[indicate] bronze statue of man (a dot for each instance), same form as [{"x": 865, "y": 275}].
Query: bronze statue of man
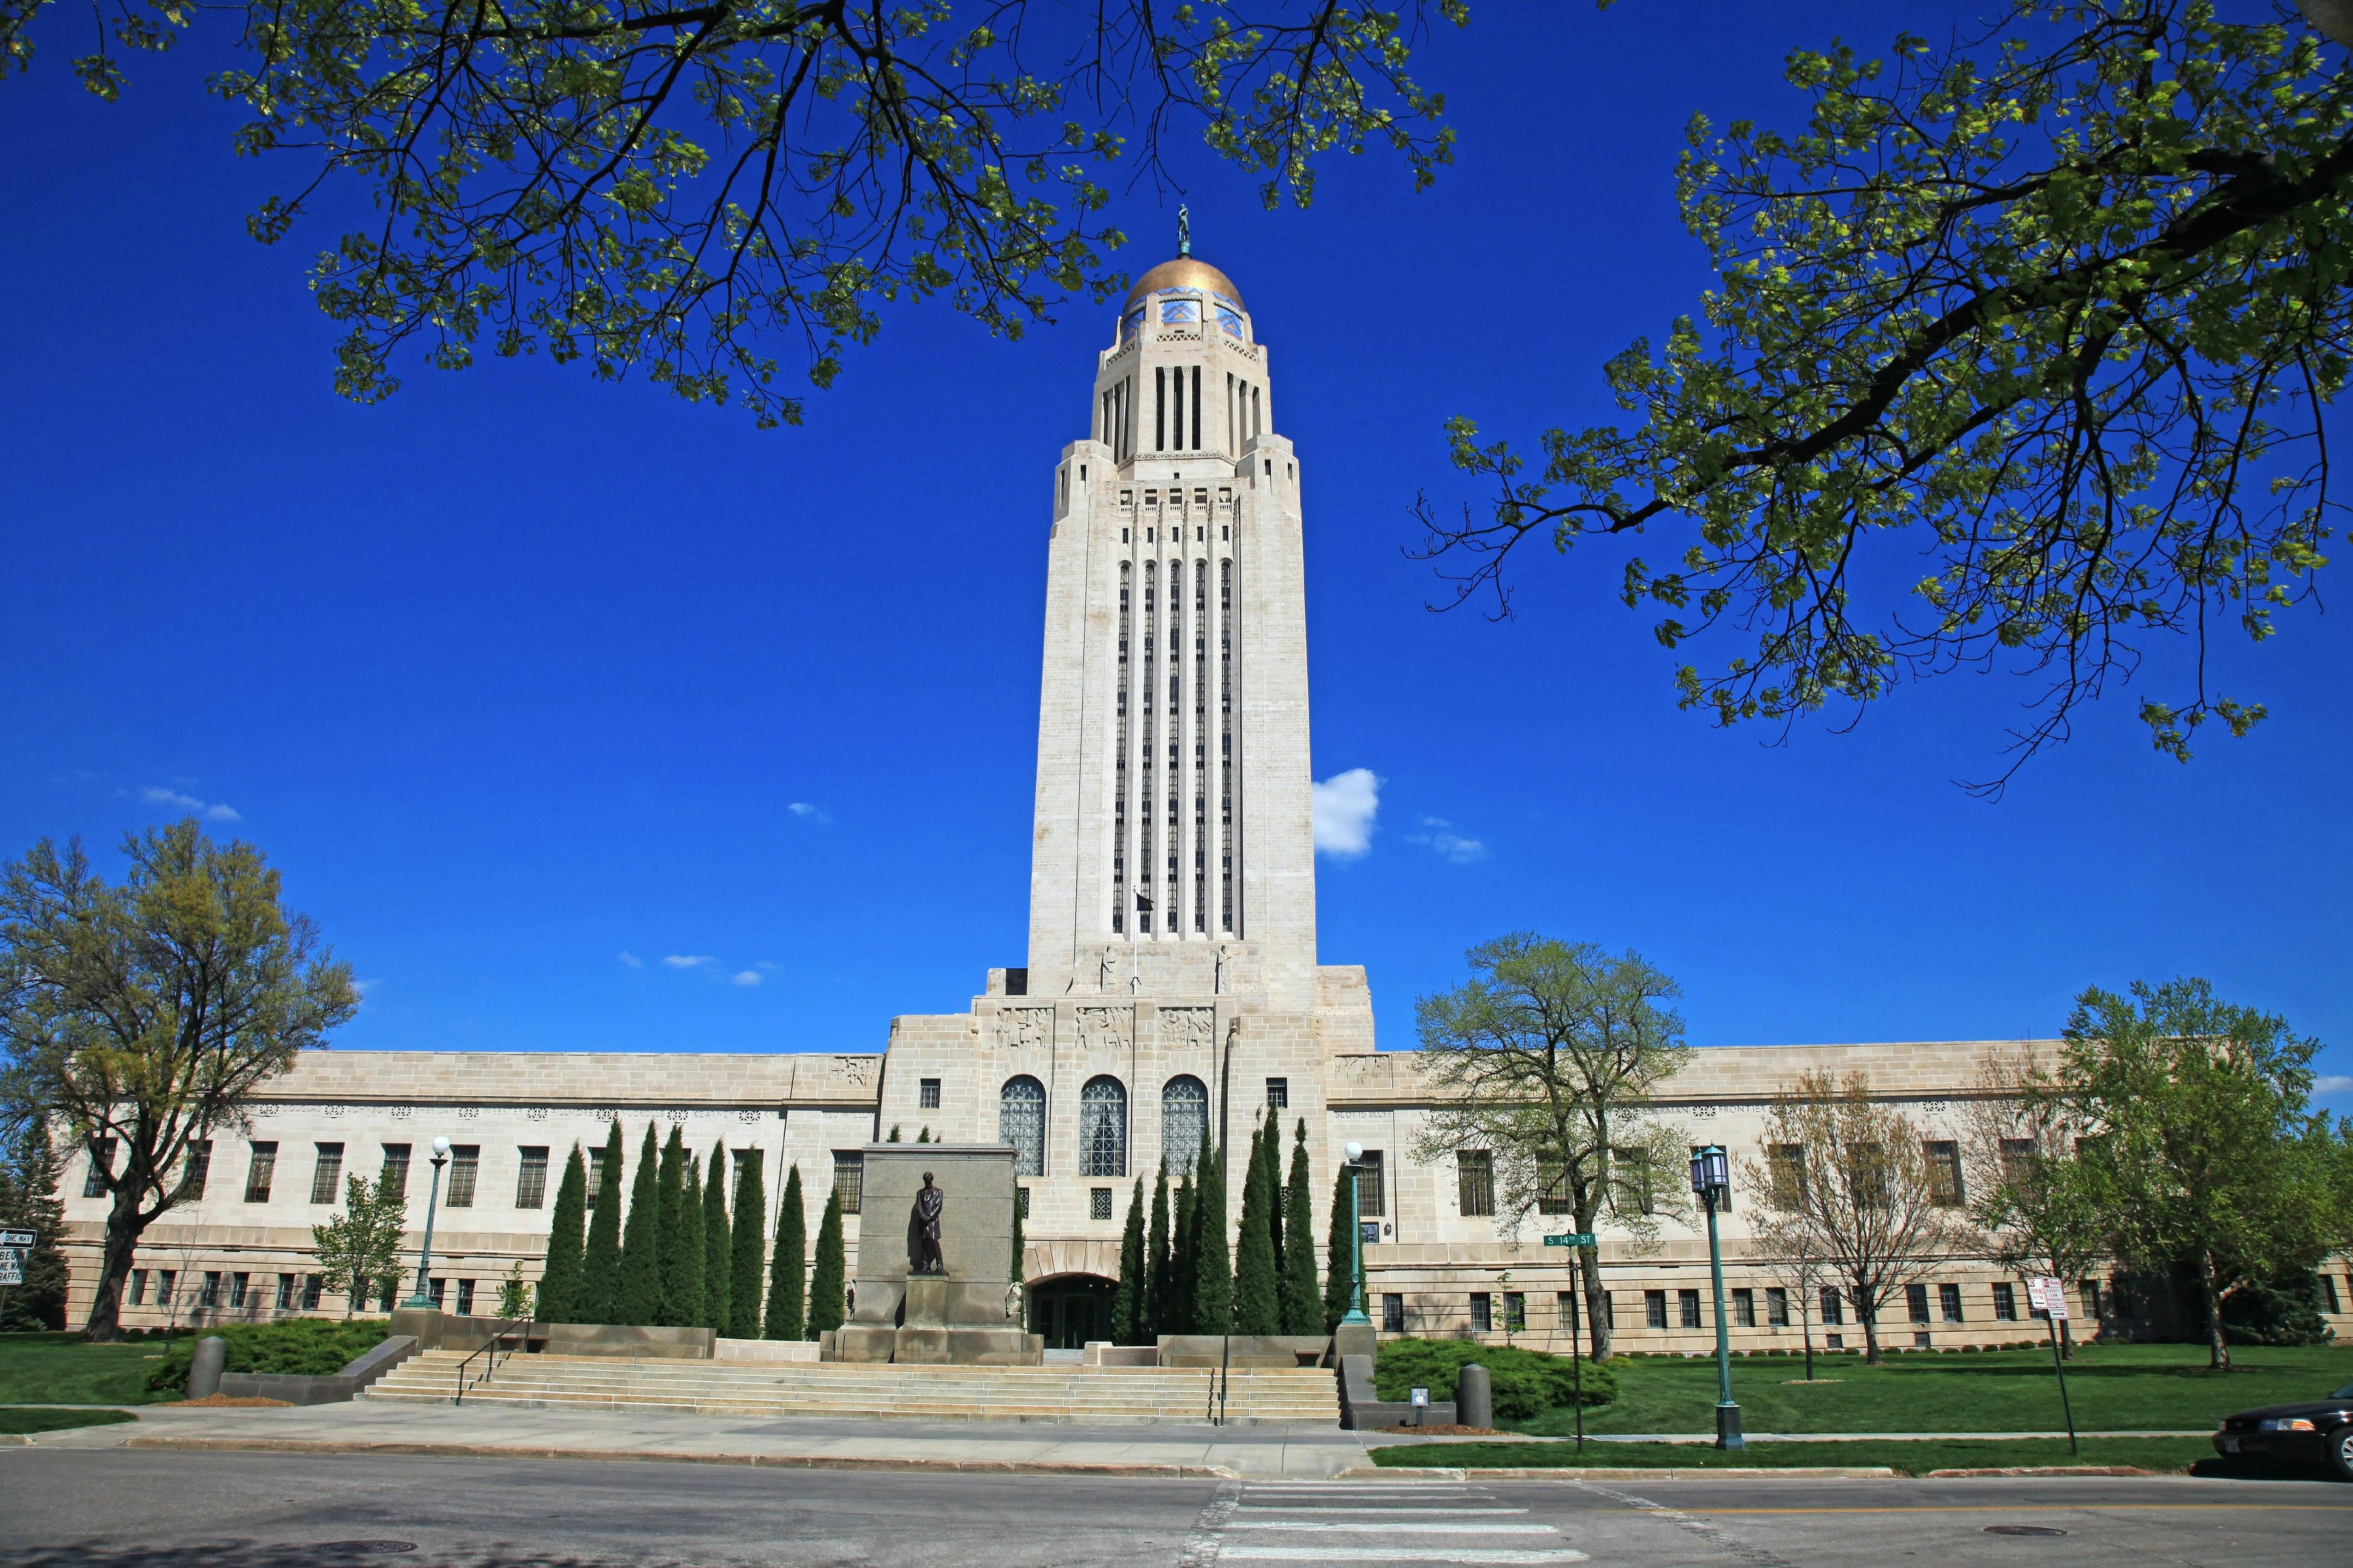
[{"x": 924, "y": 1230}]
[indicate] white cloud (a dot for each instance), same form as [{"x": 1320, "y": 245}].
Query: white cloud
[
  {"x": 1345, "y": 806},
  {"x": 808, "y": 812},
  {"x": 2331, "y": 1083},
  {"x": 1439, "y": 835},
  {"x": 632, "y": 960},
  {"x": 686, "y": 961},
  {"x": 218, "y": 811},
  {"x": 746, "y": 977}
]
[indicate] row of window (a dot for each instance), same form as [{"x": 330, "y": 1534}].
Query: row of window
[
  {"x": 327, "y": 1171},
  {"x": 235, "y": 1290},
  {"x": 1684, "y": 1310}
]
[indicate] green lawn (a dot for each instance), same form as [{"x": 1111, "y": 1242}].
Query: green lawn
[
  {"x": 2163, "y": 1454},
  {"x": 57, "y": 1369},
  {"x": 21, "y": 1421},
  {"x": 2115, "y": 1388}
]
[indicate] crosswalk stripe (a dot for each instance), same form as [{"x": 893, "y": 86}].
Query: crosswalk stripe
[
  {"x": 1393, "y": 1529},
  {"x": 1323, "y": 1508},
  {"x": 1500, "y": 1557}
]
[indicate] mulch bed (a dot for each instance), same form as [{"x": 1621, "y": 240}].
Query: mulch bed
[{"x": 1435, "y": 1430}]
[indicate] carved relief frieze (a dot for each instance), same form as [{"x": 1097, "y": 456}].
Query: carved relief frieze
[
  {"x": 1183, "y": 1029},
  {"x": 1025, "y": 1028},
  {"x": 1105, "y": 1028}
]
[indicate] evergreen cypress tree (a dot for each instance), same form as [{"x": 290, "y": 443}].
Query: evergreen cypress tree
[
  {"x": 636, "y": 1297},
  {"x": 684, "y": 1303},
  {"x": 1181, "y": 1236},
  {"x": 1340, "y": 1257},
  {"x": 600, "y": 1264},
  {"x": 559, "y": 1283},
  {"x": 1257, "y": 1287},
  {"x": 826, "y": 1281},
  {"x": 1127, "y": 1301},
  {"x": 1156, "y": 1262},
  {"x": 1303, "y": 1313},
  {"x": 718, "y": 1246},
  {"x": 788, "y": 1270},
  {"x": 29, "y": 1200},
  {"x": 1021, "y": 1250},
  {"x": 749, "y": 1267},
  {"x": 1213, "y": 1279},
  {"x": 1273, "y": 1155},
  {"x": 670, "y": 1191}
]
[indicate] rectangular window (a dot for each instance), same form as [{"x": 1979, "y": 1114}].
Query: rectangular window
[
  {"x": 1483, "y": 1312},
  {"x": 849, "y": 1178},
  {"x": 395, "y": 1175},
  {"x": 387, "y": 1289},
  {"x": 139, "y": 1287},
  {"x": 1516, "y": 1311},
  {"x": 1777, "y": 1307},
  {"x": 1833, "y": 1341},
  {"x": 2327, "y": 1292},
  {"x": 1278, "y": 1093},
  {"x": 433, "y": 1291},
  {"x": 2005, "y": 1304},
  {"x": 286, "y": 1292},
  {"x": 1372, "y": 1186},
  {"x": 596, "y": 1174},
  {"x": 1099, "y": 1203},
  {"x": 927, "y": 1094},
  {"x": 1784, "y": 1167},
  {"x": 327, "y": 1172},
  {"x": 1687, "y": 1308},
  {"x": 1944, "y": 1173},
  {"x": 1475, "y": 1181},
  {"x": 1392, "y": 1315},
  {"x": 259, "y": 1172},
  {"x": 1833, "y": 1305},
  {"x": 313, "y": 1287},
  {"x": 1021, "y": 1197},
  {"x": 165, "y": 1278},
  {"x": 531, "y": 1179},
  {"x": 465, "y": 1298},
  {"x": 2090, "y": 1289},
  {"x": 1160, "y": 408},
  {"x": 464, "y": 1169},
  {"x": 2018, "y": 1157},
  {"x": 210, "y": 1296},
  {"x": 101, "y": 1165},
  {"x": 236, "y": 1288},
  {"x": 1552, "y": 1187},
  {"x": 1916, "y": 1303},
  {"x": 198, "y": 1169},
  {"x": 1654, "y": 1309},
  {"x": 1629, "y": 1182},
  {"x": 1949, "y": 1302},
  {"x": 1744, "y": 1309}
]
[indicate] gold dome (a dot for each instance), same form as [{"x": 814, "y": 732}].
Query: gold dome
[{"x": 1183, "y": 273}]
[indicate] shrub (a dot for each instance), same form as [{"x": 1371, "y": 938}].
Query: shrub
[
  {"x": 1526, "y": 1383},
  {"x": 306, "y": 1346}
]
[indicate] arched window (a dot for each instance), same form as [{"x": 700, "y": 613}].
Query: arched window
[
  {"x": 1184, "y": 1114},
  {"x": 1102, "y": 1127},
  {"x": 1021, "y": 1122}
]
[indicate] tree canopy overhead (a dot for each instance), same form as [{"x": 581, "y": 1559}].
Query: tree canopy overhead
[
  {"x": 2052, "y": 312},
  {"x": 681, "y": 187}
]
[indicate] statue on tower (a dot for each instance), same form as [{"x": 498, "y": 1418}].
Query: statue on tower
[{"x": 1184, "y": 230}]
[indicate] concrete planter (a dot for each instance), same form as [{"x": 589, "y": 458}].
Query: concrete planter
[
  {"x": 331, "y": 1388},
  {"x": 1244, "y": 1350}
]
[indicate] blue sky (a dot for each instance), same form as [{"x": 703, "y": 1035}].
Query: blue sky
[{"x": 519, "y": 673}]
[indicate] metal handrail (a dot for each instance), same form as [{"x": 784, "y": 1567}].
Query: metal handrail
[{"x": 506, "y": 1330}]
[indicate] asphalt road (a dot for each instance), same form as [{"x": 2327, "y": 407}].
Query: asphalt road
[{"x": 158, "y": 1509}]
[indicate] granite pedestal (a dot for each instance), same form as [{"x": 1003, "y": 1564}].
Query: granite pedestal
[{"x": 954, "y": 1318}]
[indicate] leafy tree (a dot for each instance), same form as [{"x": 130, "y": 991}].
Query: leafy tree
[
  {"x": 2058, "y": 307},
  {"x": 362, "y": 1243},
  {"x": 1213, "y": 1279},
  {"x": 1788, "y": 1254},
  {"x": 751, "y": 1251},
  {"x": 1258, "y": 1296},
  {"x": 672, "y": 191},
  {"x": 718, "y": 1246},
  {"x": 2027, "y": 1191},
  {"x": 828, "y": 1281},
  {"x": 560, "y": 1279},
  {"x": 1157, "y": 1259},
  {"x": 2195, "y": 1137},
  {"x": 514, "y": 1293},
  {"x": 1128, "y": 1299},
  {"x": 788, "y": 1269},
  {"x": 637, "y": 1289},
  {"x": 1302, "y": 1313},
  {"x": 1547, "y": 1060},
  {"x": 1845, "y": 1175},
  {"x": 685, "y": 1303},
  {"x": 139, "y": 1017},
  {"x": 1339, "y": 1252},
  {"x": 29, "y": 1169},
  {"x": 600, "y": 1265}
]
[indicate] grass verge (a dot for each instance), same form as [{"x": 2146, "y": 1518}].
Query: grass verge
[
  {"x": 19, "y": 1421},
  {"x": 59, "y": 1369},
  {"x": 1912, "y": 1458}
]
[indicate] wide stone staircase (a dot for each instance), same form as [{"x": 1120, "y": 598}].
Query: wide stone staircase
[{"x": 1303, "y": 1397}]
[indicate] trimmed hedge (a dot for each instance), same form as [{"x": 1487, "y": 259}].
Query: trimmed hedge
[
  {"x": 1526, "y": 1383},
  {"x": 312, "y": 1347}
]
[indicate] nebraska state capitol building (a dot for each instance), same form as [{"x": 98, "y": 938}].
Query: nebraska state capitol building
[{"x": 1173, "y": 979}]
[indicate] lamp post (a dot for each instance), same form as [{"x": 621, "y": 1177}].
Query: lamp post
[
  {"x": 1355, "y": 1153},
  {"x": 1711, "y": 1179},
  {"x": 432, "y": 1202}
]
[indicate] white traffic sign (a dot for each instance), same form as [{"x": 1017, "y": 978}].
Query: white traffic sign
[
  {"x": 12, "y": 1265},
  {"x": 2049, "y": 1297},
  {"x": 18, "y": 1237}
]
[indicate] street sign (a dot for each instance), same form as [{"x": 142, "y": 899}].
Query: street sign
[
  {"x": 1575, "y": 1238},
  {"x": 2049, "y": 1297},
  {"x": 1370, "y": 1229},
  {"x": 18, "y": 1239},
  {"x": 12, "y": 1265},
  {"x": 1422, "y": 1399}
]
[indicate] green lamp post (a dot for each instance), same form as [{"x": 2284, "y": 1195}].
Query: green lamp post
[
  {"x": 1711, "y": 1179},
  {"x": 1356, "y": 1152},
  {"x": 432, "y": 1202}
]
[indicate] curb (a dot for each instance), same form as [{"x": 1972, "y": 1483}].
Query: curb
[
  {"x": 2046, "y": 1471},
  {"x": 1601, "y": 1473},
  {"x": 763, "y": 1461}
]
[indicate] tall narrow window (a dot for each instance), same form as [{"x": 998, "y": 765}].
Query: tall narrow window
[
  {"x": 259, "y": 1172},
  {"x": 1102, "y": 1127},
  {"x": 395, "y": 1175},
  {"x": 1021, "y": 1122},
  {"x": 1197, "y": 409},
  {"x": 1372, "y": 1186},
  {"x": 1474, "y": 1181},
  {"x": 1944, "y": 1159},
  {"x": 465, "y": 1168},
  {"x": 1147, "y": 894},
  {"x": 101, "y": 1167},
  {"x": 1231, "y": 445},
  {"x": 1184, "y": 1116},
  {"x": 1226, "y": 746},
  {"x": 595, "y": 1174},
  {"x": 1160, "y": 408},
  {"x": 1200, "y": 747},
  {"x": 327, "y": 1174},
  {"x": 850, "y": 1178},
  {"x": 530, "y": 1178},
  {"x": 197, "y": 1169},
  {"x": 1119, "y": 911}
]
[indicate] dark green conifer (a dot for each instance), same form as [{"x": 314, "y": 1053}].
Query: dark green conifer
[
  {"x": 1018, "y": 1272},
  {"x": 1128, "y": 1301},
  {"x": 1339, "y": 1257},
  {"x": 637, "y": 1299},
  {"x": 788, "y": 1269},
  {"x": 1270, "y": 1153},
  {"x": 558, "y": 1300},
  {"x": 1155, "y": 1261},
  {"x": 669, "y": 1192},
  {"x": 826, "y": 1280},
  {"x": 1182, "y": 1233},
  {"x": 684, "y": 1303},
  {"x": 1213, "y": 1279},
  {"x": 600, "y": 1263},
  {"x": 1258, "y": 1291},
  {"x": 718, "y": 1246},
  {"x": 1302, "y": 1313},
  {"x": 749, "y": 1267}
]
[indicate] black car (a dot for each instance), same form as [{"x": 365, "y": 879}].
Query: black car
[{"x": 2318, "y": 1431}]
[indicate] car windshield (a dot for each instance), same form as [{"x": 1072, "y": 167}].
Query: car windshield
[{"x": 2344, "y": 1393}]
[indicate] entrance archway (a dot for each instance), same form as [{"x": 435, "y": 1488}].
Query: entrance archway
[{"x": 1069, "y": 1310}]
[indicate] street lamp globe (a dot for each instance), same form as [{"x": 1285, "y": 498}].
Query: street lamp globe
[
  {"x": 441, "y": 1146},
  {"x": 1354, "y": 1152}
]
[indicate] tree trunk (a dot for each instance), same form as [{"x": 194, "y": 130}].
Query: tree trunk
[
  {"x": 1597, "y": 1318},
  {"x": 2218, "y": 1351},
  {"x": 122, "y": 1227},
  {"x": 1864, "y": 1310}
]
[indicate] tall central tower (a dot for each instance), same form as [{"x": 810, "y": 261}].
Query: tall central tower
[{"x": 1173, "y": 849}]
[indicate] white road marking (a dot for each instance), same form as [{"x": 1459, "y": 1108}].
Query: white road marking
[
  {"x": 1317, "y": 1508},
  {"x": 1500, "y": 1558},
  {"x": 1393, "y": 1529}
]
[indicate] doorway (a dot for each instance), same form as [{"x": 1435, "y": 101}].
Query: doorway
[{"x": 1069, "y": 1310}]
